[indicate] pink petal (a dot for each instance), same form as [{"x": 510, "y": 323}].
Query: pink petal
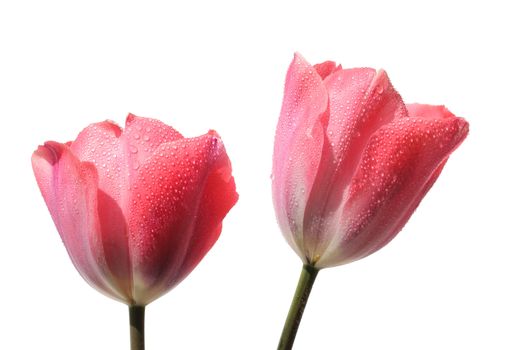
[
  {"x": 217, "y": 198},
  {"x": 360, "y": 102},
  {"x": 400, "y": 164},
  {"x": 102, "y": 145},
  {"x": 298, "y": 146},
  {"x": 70, "y": 190},
  {"x": 166, "y": 211},
  {"x": 429, "y": 111},
  {"x": 144, "y": 135},
  {"x": 326, "y": 68}
]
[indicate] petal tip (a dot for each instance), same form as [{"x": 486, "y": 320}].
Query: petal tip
[
  {"x": 381, "y": 81},
  {"x": 326, "y": 68},
  {"x": 50, "y": 151},
  {"x": 112, "y": 126},
  {"x": 130, "y": 118},
  {"x": 215, "y": 140},
  {"x": 463, "y": 127},
  {"x": 429, "y": 111},
  {"x": 213, "y": 132},
  {"x": 297, "y": 55},
  {"x": 299, "y": 60}
]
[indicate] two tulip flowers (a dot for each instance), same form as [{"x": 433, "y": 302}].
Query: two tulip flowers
[{"x": 138, "y": 208}]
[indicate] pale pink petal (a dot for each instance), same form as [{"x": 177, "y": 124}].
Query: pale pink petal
[
  {"x": 298, "y": 147},
  {"x": 70, "y": 190},
  {"x": 400, "y": 164},
  {"x": 102, "y": 145}
]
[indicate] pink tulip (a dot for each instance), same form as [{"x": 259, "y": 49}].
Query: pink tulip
[
  {"x": 137, "y": 208},
  {"x": 351, "y": 161}
]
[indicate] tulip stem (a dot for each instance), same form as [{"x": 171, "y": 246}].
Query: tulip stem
[
  {"x": 136, "y": 327},
  {"x": 304, "y": 287}
]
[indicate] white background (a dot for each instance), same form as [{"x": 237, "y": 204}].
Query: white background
[{"x": 452, "y": 279}]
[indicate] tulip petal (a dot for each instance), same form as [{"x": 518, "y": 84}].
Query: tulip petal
[
  {"x": 360, "y": 102},
  {"x": 326, "y": 68},
  {"x": 165, "y": 210},
  {"x": 400, "y": 164},
  {"x": 102, "y": 145},
  {"x": 218, "y": 197},
  {"x": 144, "y": 135},
  {"x": 298, "y": 147},
  {"x": 70, "y": 190}
]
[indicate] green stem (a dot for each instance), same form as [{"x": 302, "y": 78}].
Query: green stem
[
  {"x": 136, "y": 327},
  {"x": 304, "y": 286}
]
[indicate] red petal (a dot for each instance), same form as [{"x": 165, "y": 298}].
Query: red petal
[
  {"x": 400, "y": 164},
  {"x": 217, "y": 198},
  {"x": 166, "y": 211}
]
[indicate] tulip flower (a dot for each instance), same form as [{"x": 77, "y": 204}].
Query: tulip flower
[
  {"x": 137, "y": 208},
  {"x": 351, "y": 164}
]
